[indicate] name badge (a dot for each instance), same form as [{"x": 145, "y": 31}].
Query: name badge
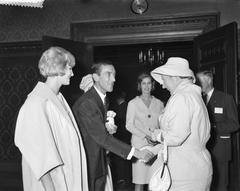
[{"x": 218, "y": 110}]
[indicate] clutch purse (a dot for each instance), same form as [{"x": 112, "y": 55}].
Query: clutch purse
[{"x": 160, "y": 176}]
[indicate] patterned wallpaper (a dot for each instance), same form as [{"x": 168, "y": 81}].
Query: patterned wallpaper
[
  {"x": 24, "y": 24},
  {"x": 16, "y": 80}
]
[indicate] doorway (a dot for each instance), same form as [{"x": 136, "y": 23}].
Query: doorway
[
  {"x": 124, "y": 34},
  {"x": 125, "y": 59},
  {"x": 121, "y": 40}
]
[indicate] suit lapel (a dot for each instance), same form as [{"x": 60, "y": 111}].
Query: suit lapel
[
  {"x": 212, "y": 99},
  {"x": 98, "y": 100}
]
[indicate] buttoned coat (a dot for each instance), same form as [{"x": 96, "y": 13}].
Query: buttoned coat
[{"x": 186, "y": 129}]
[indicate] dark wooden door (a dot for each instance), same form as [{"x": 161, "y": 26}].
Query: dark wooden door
[
  {"x": 217, "y": 51},
  {"x": 82, "y": 66}
]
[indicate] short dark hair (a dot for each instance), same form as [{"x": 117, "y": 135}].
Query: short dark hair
[
  {"x": 208, "y": 73},
  {"x": 97, "y": 66},
  {"x": 140, "y": 79}
]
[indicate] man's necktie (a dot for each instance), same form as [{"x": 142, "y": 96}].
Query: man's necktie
[
  {"x": 105, "y": 104},
  {"x": 205, "y": 98}
]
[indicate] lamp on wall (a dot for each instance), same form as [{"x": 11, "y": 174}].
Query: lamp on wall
[
  {"x": 139, "y": 6},
  {"x": 151, "y": 57}
]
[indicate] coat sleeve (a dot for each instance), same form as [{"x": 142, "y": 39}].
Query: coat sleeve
[
  {"x": 130, "y": 126},
  {"x": 230, "y": 122},
  {"x": 178, "y": 122},
  {"x": 34, "y": 138},
  {"x": 88, "y": 116}
]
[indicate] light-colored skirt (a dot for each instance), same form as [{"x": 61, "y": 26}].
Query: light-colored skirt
[
  {"x": 191, "y": 185},
  {"x": 140, "y": 172}
]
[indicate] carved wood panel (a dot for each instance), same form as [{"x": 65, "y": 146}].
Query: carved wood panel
[{"x": 181, "y": 27}]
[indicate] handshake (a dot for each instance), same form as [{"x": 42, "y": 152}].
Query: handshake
[{"x": 144, "y": 155}]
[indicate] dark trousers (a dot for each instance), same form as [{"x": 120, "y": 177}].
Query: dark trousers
[
  {"x": 220, "y": 179},
  {"x": 121, "y": 169}
]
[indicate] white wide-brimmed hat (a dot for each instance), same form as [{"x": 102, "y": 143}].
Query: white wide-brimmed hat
[{"x": 175, "y": 66}]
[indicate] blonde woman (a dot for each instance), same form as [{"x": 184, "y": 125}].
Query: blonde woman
[
  {"x": 142, "y": 119},
  {"x": 53, "y": 156}
]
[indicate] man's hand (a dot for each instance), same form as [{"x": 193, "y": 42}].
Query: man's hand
[{"x": 144, "y": 155}]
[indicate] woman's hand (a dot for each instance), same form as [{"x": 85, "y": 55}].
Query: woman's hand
[
  {"x": 150, "y": 141},
  {"x": 155, "y": 134}
]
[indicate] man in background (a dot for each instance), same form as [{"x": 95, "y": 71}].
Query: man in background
[{"x": 223, "y": 116}]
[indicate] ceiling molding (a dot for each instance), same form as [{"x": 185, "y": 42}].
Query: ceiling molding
[{"x": 145, "y": 29}]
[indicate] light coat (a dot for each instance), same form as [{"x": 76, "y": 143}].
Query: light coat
[
  {"x": 142, "y": 120},
  {"x": 186, "y": 129},
  {"x": 48, "y": 137}
]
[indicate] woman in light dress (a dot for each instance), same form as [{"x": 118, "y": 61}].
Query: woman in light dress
[
  {"x": 53, "y": 156},
  {"x": 142, "y": 119},
  {"x": 185, "y": 127}
]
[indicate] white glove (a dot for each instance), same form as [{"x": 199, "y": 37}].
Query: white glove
[
  {"x": 86, "y": 82},
  {"x": 156, "y": 134}
]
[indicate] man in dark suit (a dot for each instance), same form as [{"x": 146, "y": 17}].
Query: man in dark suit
[
  {"x": 223, "y": 116},
  {"x": 90, "y": 113}
]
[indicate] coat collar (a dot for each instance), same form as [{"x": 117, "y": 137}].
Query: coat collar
[
  {"x": 43, "y": 91},
  {"x": 185, "y": 85}
]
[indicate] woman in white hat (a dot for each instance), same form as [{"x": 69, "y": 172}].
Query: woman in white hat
[{"x": 185, "y": 127}]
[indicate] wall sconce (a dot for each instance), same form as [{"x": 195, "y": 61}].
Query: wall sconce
[{"x": 139, "y": 6}]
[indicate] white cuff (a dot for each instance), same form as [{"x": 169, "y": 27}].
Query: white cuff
[
  {"x": 160, "y": 137},
  {"x": 130, "y": 155}
]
